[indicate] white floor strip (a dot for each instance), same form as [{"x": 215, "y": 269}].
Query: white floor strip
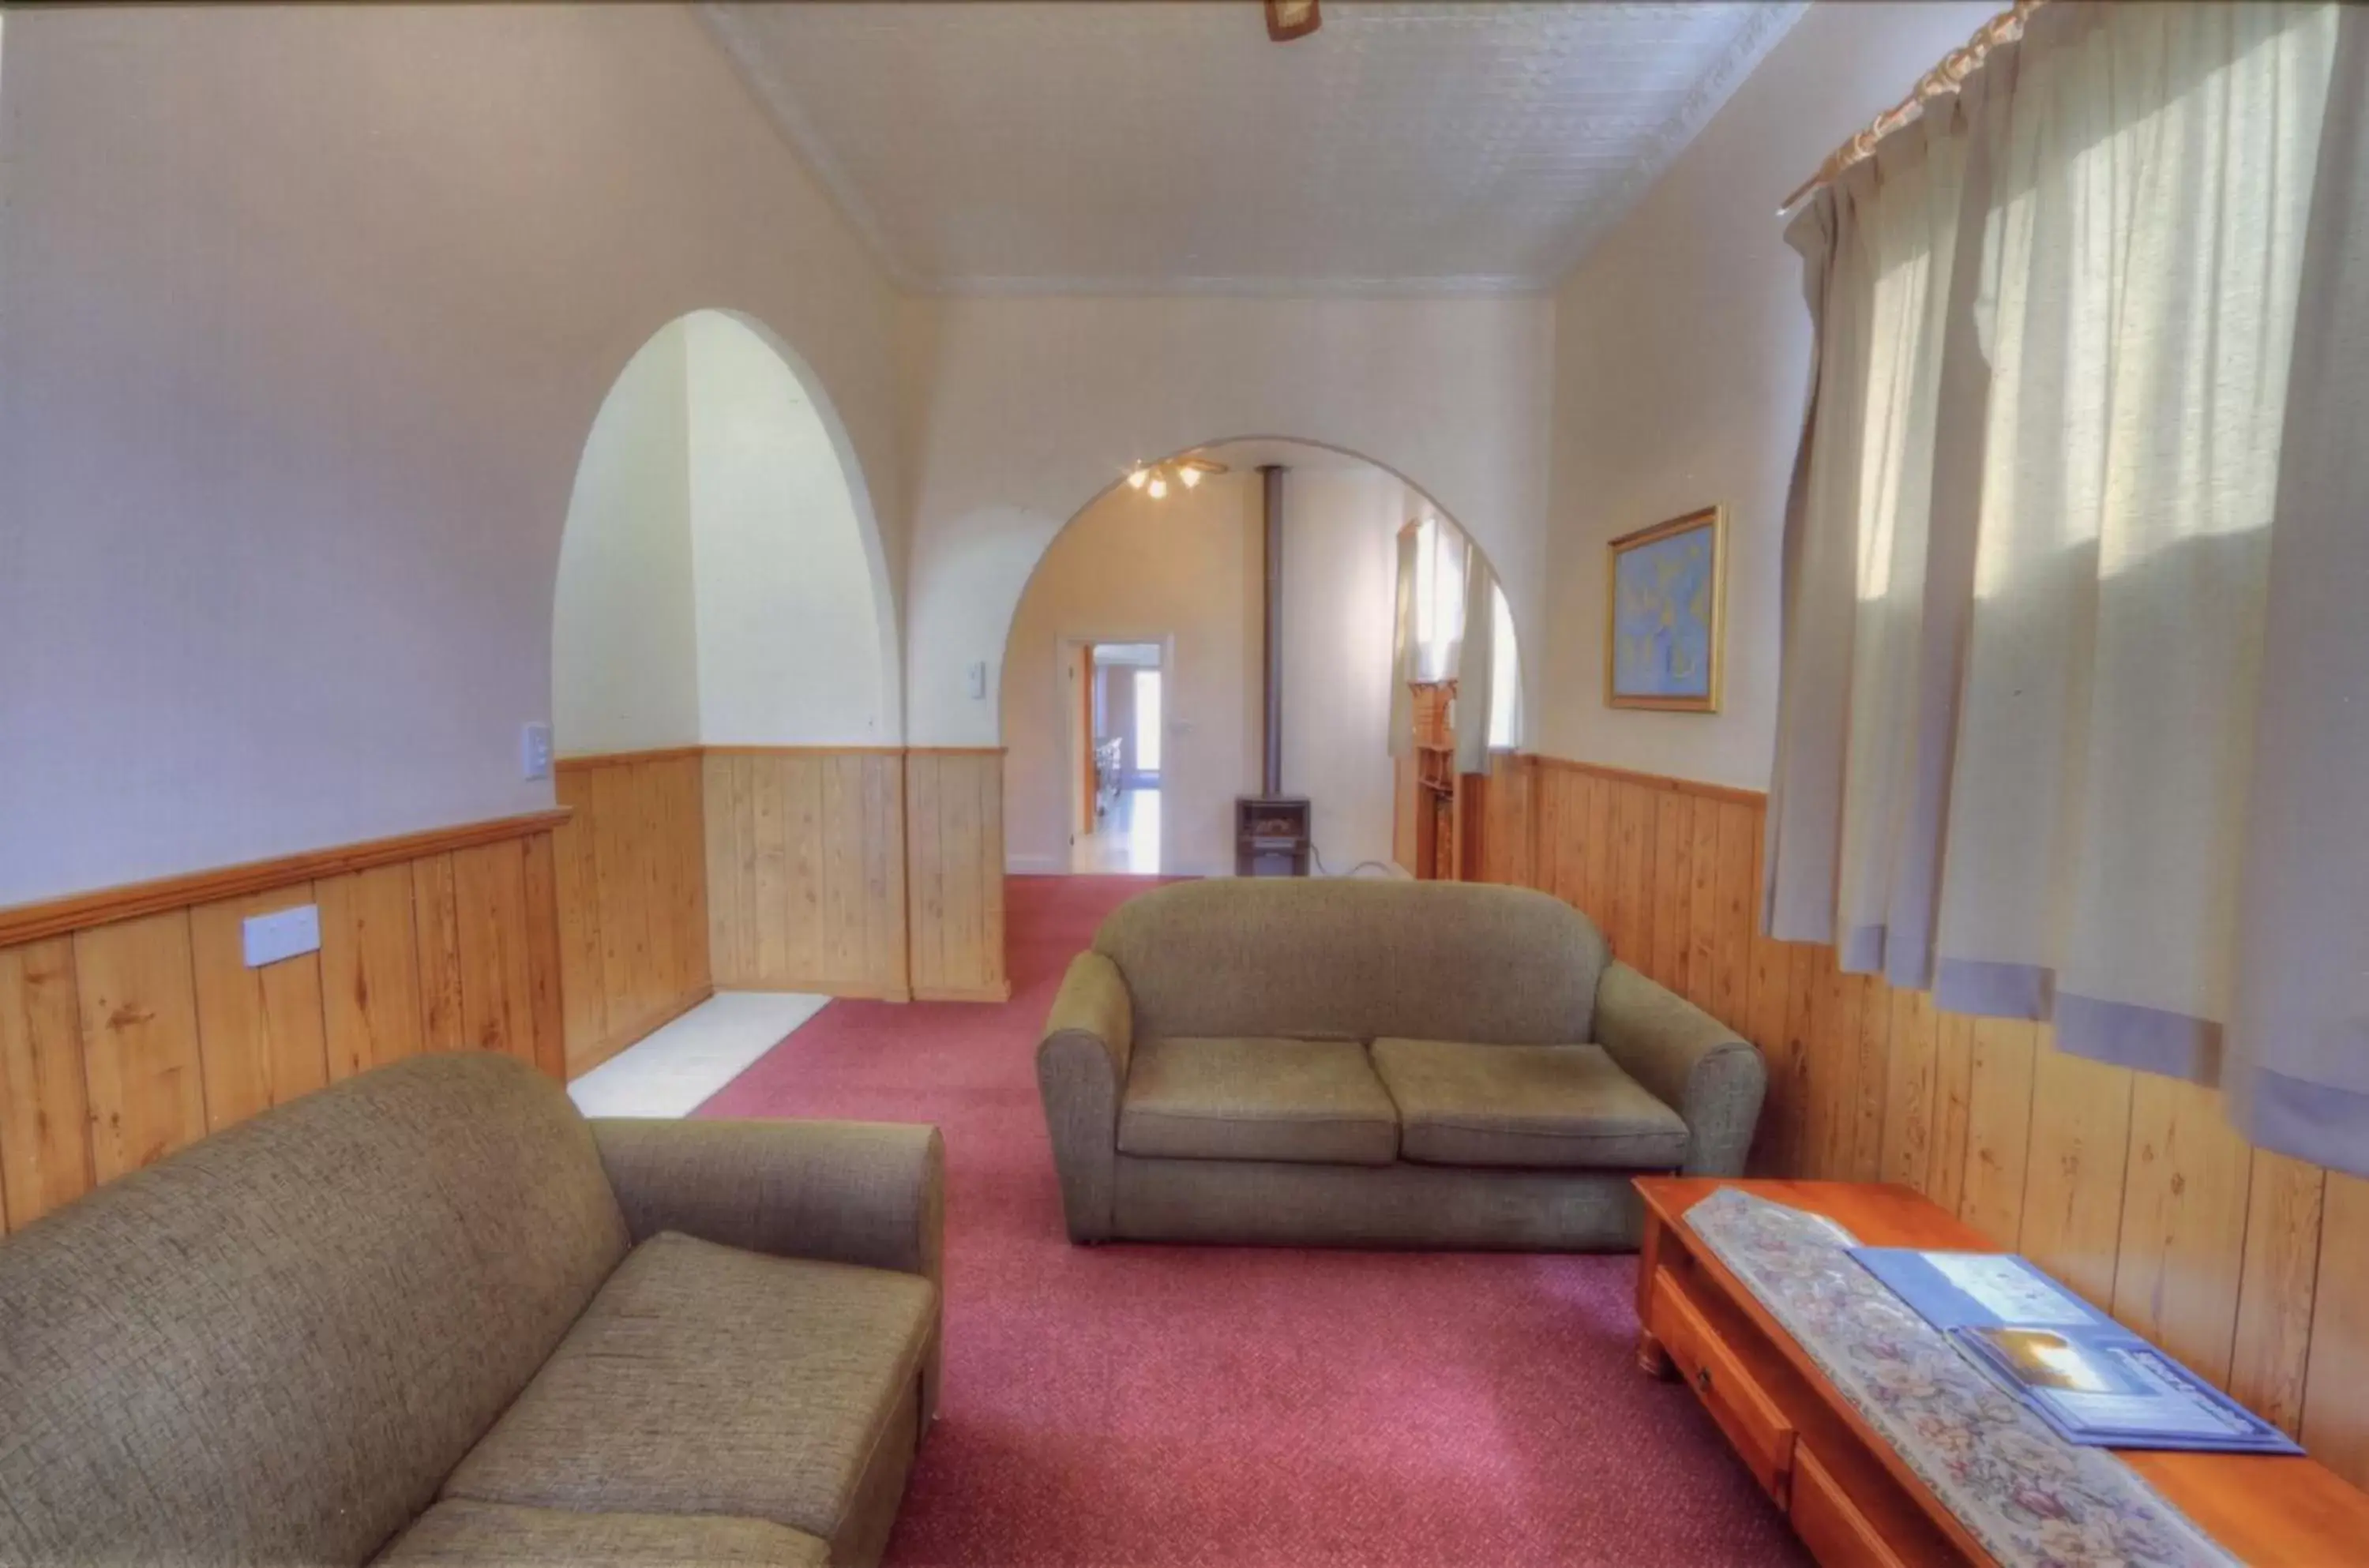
[{"x": 668, "y": 1073}]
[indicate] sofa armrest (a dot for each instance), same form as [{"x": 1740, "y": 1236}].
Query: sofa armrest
[
  {"x": 870, "y": 1192},
  {"x": 1690, "y": 1061},
  {"x": 1081, "y": 1072}
]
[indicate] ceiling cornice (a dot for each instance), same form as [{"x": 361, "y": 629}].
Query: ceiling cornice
[{"x": 729, "y": 31}]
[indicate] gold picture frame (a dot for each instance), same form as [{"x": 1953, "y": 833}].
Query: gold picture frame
[{"x": 1667, "y": 675}]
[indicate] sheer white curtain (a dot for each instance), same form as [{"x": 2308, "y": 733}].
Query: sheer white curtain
[
  {"x": 2029, "y": 553},
  {"x": 1476, "y": 666},
  {"x": 1402, "y": 645}
]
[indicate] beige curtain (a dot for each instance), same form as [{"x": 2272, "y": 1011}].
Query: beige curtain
[
  {"x": 1476, "y": 665},
  {"x": 2029, "y": 548},
  {"x": 1403, "y": 649}
]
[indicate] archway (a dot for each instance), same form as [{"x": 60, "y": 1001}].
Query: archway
[
  {"x": 1182, "y": 574},
  {"x": 725, "y": 689}
]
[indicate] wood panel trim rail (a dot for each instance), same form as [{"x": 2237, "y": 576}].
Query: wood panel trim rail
[
  {"x": 626, "y": 759},
  {"x": 103, "y": 906},
  {"x": 1649, "y": 781}
]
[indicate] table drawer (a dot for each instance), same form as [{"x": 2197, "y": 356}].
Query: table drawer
[
  {"x": 1830, "y": 1523},
  {"x": 1752, "y": 1421}
]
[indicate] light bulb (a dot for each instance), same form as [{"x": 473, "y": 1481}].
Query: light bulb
[
  {"x": 1135, "y": 478},
  {"x": 1191, "y": 476},
  {"x": 1159, "y": 487}
]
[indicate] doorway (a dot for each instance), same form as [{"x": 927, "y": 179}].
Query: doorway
[{"x": 1116, "y": 699}]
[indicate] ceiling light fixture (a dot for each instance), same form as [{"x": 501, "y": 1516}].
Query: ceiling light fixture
[
  {"x": 1288, "y": 19},
  {"x": 1156, "y": 479}
]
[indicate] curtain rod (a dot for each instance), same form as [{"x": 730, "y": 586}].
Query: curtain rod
[{"x": 1944, "y": 79}]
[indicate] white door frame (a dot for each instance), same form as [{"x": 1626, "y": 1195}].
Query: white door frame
[{"x": 1073, "y": 765}]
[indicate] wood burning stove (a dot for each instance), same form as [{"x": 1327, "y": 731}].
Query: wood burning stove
[{"x": 1272, "y": 835}]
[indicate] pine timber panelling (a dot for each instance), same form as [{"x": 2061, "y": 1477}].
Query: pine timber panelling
[
  {"x": 955, "y": 870},
  {"x": 805, "y": 870},
  {"x": 2131, "y": 1187},
  {"x": 130, "y": 1025},
  {"x": 630, "y": 874}
]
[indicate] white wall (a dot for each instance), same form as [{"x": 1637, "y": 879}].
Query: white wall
[
  {"x": 1133, "y": 569},
  {"x": 1681, "y": 364},
  {"x": 1340, "y": 594},
  {"x": 625, "y": 657},
  {"x": 789, "y": 625},
  {"x": 306, "y": 313},
  {"x": 1024, "y": 409}
]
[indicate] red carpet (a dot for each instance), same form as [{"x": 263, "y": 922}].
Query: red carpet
[{"x": 1157, "y": 1405}]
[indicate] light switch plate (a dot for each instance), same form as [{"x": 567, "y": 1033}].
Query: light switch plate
[
  {"x": 977, "y": 678},
  {"x": 283, "y": 934},
  {"x": 534, "y": 751}
]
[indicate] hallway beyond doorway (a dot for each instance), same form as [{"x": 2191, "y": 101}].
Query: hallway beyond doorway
[{"x": 1126, "y": 841}]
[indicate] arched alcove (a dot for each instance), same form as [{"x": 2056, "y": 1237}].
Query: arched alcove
[
  {"x": 721, "y": 578},
  {"x": 725, "y": 694},
  {"x": 1183, "y": 573}
]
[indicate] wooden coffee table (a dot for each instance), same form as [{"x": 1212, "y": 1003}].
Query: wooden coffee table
[{"x": 1850, "y": 1496}]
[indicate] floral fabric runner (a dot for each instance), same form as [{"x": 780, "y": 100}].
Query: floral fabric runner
[{"x": 2029, "y": 1496}]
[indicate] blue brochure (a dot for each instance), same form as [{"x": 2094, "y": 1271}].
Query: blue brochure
[{"x": 2093, "y": 1380}]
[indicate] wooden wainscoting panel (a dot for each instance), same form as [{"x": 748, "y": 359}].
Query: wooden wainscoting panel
[
  {"x": 436, "y": 929},
  {"x": 2252, "y": 1267},
  {"x": 128, "y": 1038},
  {"x": 954, "y": 871},
  {"x": 1999, "y": 1127},
  {"x": 805, "y": 851},
  {"x": 45, "y": 1155},
  {"x": 1908, "y": 1085},
  {"x": 1953, "y": 1108},
  {"x": 2271, "y": 1356},
  {"x": 583, "y": 989},
  {"x": 496, "y": 986},
  {"x": 545, "y": 1002},
  {"x": 635, "y": 935},
  {"x": 370, "y": 968},
  {"x": 2073, "y": 1180},
  {"x": 2335, "y": 1415},
  {"x": 2183, "y": 1222},
  {"x": 138, "y": 1009},
  {"x": 261, "y": 1032}
]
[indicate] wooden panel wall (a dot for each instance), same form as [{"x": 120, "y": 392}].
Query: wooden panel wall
[
  {"x": 124, "y": 1039},
  {"x": 2252, "y": 1267},
  {"x": 632, "y": 885},
  {"x": 805, "y": 870},
  {"x": 955, "y": 859}
]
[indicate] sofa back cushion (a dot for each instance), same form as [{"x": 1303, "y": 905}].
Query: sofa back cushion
[
  {"x": 1356, "y": 958},
  {"x": 273, "y": 1347}
]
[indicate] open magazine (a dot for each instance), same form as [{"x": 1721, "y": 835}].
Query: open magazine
[{"x": 2090, "y": 1378}]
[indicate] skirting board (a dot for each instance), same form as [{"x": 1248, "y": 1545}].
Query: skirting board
[
  {"x": 1000, "y": 992},
  {"x": 837, "y": 991}
]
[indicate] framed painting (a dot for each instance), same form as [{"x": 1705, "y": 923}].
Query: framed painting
[{"x": 1666, "y": 614}]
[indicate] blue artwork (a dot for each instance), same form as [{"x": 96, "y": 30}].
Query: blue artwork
[{"x": 1663, "y": 594}]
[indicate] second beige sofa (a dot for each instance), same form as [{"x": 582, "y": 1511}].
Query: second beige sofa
[{"x": 1371, "y": 1063}]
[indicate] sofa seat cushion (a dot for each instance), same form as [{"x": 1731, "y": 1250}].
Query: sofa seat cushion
[
  {"x": 491, "y": 1535},
  {"x": 1557, "y": 1107},
  {"x": 1310, "y": 1101},
  {"x": 705, "y": 1380}
]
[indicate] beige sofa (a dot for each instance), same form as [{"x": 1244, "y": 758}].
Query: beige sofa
[
  {"x": 433, "y": 1316},
  {"x": 1372, "y": 1063}
]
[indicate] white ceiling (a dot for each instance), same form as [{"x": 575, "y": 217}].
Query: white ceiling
[{"x": 1145, "y": 148}]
